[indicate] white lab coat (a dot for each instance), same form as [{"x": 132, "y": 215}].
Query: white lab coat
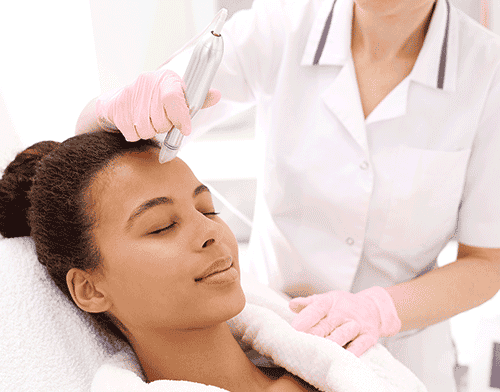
[{"x": 345, "y": 202}]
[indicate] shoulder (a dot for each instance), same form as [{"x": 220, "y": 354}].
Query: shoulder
[{"x": 476, "y": 43}]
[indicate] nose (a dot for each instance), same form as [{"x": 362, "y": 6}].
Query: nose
[
  {"x": 211, "y": 235},
  {"x": 208, "y": 243},
  {"x": 208, "y": 232}
]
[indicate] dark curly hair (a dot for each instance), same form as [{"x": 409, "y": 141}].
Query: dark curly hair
[{"x": 43, "y": 195}]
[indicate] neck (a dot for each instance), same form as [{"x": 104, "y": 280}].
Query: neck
[
  {"x": 391, "y": 35},
  {"x": 209, "y": 356}
]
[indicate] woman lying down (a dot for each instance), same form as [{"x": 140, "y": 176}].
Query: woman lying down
[{"x": 139, "y": 246}]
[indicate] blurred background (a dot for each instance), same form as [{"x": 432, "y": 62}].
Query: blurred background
[{"x": 57, "y": 55}]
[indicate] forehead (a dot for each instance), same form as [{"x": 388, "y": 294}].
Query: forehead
[{"x": 131, "y": 179}]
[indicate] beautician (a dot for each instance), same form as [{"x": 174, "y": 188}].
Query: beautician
[{"x": 378, "y": 128}]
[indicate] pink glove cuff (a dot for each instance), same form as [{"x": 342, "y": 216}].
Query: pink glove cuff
[{"x": 389, "y": 319}]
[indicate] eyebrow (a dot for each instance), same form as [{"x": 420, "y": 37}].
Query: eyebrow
[{"x": 158, "y": 201}]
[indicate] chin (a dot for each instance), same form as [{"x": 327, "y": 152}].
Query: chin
[
  {"x": 229, "y": 306},
  {"x": 242, "y": 303},
  {"x": 233, "y": 305}
]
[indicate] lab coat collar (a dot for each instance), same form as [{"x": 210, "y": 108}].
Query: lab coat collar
[
  {"x": 329, "y": 43},
  {"x": 436, "y": 65}
]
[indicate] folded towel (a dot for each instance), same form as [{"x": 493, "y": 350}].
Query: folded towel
[
  {"x": 320, "y": 362},
  {"x": 48, "y": 344}
]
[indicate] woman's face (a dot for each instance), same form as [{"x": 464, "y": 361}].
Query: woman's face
[{"x": 159, "y": 237}]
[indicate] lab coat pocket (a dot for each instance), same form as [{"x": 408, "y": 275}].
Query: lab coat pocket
[{"x": 426, "y": 192}]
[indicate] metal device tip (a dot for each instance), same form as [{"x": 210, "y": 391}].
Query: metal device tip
[
  {"x": 166, "y": 154},
  {"x": 220, "y": 21}
]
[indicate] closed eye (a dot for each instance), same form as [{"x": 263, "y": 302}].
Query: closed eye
[
  {"x": 163, "y": 229},
  {"x": 166, "y": 228}
]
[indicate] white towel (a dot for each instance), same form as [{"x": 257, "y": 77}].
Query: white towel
[
  {"x": 320, "y": 362},
  {"x": 47, "y": 344}
]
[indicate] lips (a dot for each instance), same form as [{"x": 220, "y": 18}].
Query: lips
[{"x": 219, "y": 265}]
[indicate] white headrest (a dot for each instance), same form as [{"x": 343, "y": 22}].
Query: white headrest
[{"x": 46, "y": 342}]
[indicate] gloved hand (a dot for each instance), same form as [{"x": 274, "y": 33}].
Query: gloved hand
[
  {"x": 152, "y": 104},
  {"x": 354, "y": 321}
]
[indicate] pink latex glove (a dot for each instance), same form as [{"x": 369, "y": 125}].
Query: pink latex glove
[
  {"x": 152, "y": 104},
  {"x": 354, "y": 321}
]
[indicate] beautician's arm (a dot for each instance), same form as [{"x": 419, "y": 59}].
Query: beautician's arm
[
  {"x": 440, "y": 294},
  {"x": 152, "y": 104},
  {"x": 87, "y": 122}
]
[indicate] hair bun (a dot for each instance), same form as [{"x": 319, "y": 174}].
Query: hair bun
[{"x": 15, "y": 188}]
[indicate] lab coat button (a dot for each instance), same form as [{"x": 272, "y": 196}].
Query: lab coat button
[
  {"x": 364, "y": 165},
  {"x": 349, "y": 241}
]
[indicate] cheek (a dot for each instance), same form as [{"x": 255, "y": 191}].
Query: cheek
[
  {"x": 149, "y": 298},
  {"x": 152, "y": 285},
  {"x": 143, "y": 279},
  {"x": 145, "y": 258},
  {"x": 230, "y": 240}
]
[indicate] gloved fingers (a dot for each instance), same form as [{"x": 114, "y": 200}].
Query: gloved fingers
[
  {"x": 213, "y": 96},
  {"x": 323, "y": 328},
  {"x": 158, "y": 116},
  {"x": 174, "y": 101},
  {"x": 177, "y": 110},
  {"x": 311, "y": 315},
  {"x": 299, "y": 303},
  {"x": 144, "y": 126},
  {"x": 361, "y": 344},
  {"x": 327, "y": 325},
  {"x": 160, "y": 122},
  {"x": 344, "y": 333},
  {"x": 139, "y": 100},
  {"x": 128, "y": 130},
  {"x": 118, "y": 111}
]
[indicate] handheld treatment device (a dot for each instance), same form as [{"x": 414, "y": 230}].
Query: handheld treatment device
[{"x": 198, "y": 77}]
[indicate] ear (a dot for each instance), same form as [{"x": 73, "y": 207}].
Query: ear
[{"x": 86, "y": 294}]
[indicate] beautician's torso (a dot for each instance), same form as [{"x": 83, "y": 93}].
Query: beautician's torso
[
  {"x": 333, "y": 190},
  {"x": 357, "y": 186}
]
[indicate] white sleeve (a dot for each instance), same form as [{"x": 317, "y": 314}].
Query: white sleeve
[
  {"x": 253, "y": 43},
  {"x": 479, "y": 215}
]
